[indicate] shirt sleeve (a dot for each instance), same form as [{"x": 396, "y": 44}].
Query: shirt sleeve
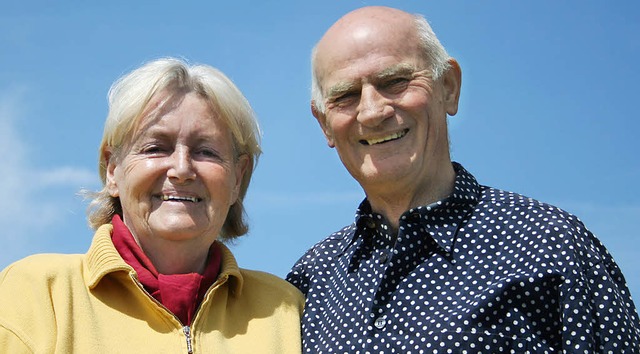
[
  {"x": 598, "y": 314},
  {"x": 298, "y": 275}
]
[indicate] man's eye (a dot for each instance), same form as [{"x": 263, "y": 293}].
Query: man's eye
[
  {"x": 345, "y": 98},
  {"x": 398, "y": 83}
]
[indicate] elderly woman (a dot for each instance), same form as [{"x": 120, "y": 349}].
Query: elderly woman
[{"x": 179, "y": 147}]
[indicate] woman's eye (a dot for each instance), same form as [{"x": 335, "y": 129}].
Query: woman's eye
[
  {"x": 153, "y": 149},
  {"x": 209, "y": 153}
]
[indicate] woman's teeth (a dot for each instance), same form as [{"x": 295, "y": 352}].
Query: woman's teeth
[{"x": 175, "y": 197}]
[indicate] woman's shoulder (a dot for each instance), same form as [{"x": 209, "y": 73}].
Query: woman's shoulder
[
  {"x": 264, "y": 291},
  {"x": 40, "y": 268},
  {"x": 255, "y": 280},
  {"x": 35, "y": 288}
]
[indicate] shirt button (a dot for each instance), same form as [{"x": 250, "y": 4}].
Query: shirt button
[
  {"x": 383, "y": 258},
  {"x": 371, "y": 224},
  {"x": 380, "y": 322}
]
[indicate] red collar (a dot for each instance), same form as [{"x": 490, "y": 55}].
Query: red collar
[{"x": 179, "y": 293}]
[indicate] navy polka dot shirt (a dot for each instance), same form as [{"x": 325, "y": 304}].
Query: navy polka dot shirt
[{"x": 483, "y": 271}]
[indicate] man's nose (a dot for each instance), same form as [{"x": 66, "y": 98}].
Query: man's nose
[{"x": 374, "y": 107}]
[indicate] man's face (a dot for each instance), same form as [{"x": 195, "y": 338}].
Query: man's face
[{"x": 385, "y": 114}]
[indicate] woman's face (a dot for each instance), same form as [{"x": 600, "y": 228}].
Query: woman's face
[{"x": 178, "y": 176}]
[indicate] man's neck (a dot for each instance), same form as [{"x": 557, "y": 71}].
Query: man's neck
[{"x": 393, "y": 202}]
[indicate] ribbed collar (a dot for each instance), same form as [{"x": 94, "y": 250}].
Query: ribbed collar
[{"x": 102, "y": 258}]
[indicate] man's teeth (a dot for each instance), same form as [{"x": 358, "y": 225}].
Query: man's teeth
[
  {"x": 175, "y": 197},
  {"x": 393, "y": 136}
]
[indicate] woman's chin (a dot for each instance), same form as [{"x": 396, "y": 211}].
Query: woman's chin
[{"x": 179, "y": 228}]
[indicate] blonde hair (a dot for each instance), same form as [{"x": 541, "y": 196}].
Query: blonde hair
[{"x": 129, "y": 99}]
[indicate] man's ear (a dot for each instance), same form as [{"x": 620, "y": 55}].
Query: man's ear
[
  {"x": 110, "y": 169},
  {"x": 452, "y": 81},
  {"x": 322, "y": 120}
]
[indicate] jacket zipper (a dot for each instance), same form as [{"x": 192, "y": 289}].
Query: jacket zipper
[
  {"x": 185, "y": 329},
  {"x": 187, "y": 333}
]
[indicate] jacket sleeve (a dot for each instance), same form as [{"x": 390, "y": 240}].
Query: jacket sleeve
[
  {"x": 10, "y": 342},
  {"x": 25, "y": 308},
  {"x": 12, "y": 339}
]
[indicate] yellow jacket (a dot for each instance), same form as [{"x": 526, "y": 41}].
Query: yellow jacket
[{"x": 93, "y": 303}]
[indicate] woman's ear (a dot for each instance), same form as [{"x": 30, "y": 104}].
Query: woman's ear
[{"x": 109, "y": 161}]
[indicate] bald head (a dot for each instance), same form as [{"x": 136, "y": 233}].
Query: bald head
[
  {"x": 367, "y": 21},
  {"x": 352, "y": 36},
  {"x": 372, "y": 16},
  {"x": 359, "y": 34}
]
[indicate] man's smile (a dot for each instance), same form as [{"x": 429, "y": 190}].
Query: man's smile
[{"x": 384, "y": 139}]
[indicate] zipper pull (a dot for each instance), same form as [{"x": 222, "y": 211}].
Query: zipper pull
[{"x": 187, "y": 333}]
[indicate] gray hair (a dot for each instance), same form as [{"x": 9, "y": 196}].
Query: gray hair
[
  {"x": 129, "y": 99},
  {"x": 433, "y": 51}
]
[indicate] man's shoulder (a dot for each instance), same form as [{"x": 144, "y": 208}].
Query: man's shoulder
[
  {"x": 335, "y": 242},
  {"x": 544, "y": 223},
  {"x": 512, "y": 201},
  {"x": 320, "y": 253},
  {"x": 536, "y": 216}
]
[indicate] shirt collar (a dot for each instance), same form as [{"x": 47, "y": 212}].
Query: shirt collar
[{"x": 446, "y": 215}]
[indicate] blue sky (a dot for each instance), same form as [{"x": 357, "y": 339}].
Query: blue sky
[{"x": 546, "y": 110}]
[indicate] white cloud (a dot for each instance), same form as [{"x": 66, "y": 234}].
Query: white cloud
[
  {"x": 67, "y": 175},
  {"x": 27, "y": 212}
]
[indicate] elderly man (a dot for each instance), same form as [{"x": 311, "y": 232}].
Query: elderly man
[{"x": 435, "y": 262}]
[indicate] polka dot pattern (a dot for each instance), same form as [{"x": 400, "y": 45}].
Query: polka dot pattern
[{"x": 483, "y": 271}]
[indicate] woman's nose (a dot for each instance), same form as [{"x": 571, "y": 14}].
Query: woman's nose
[{"x": 181, "y": 167}]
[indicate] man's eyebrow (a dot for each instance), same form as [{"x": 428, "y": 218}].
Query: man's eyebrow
[
  {"x": 339, "y": 89},
  {"x": 401, "y": 69},
  {"x": 396, "y": 70}
]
